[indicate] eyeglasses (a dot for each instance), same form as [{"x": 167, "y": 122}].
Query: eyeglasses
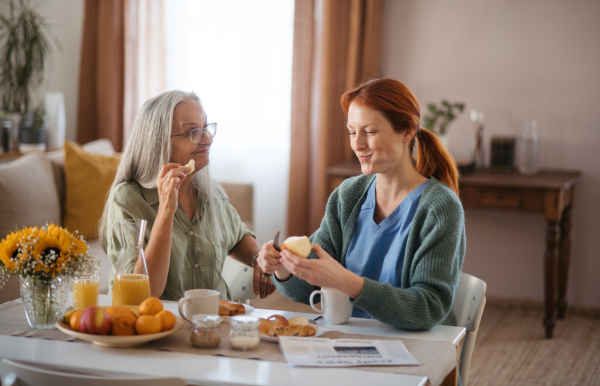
[{"x": 197, "y": 135}]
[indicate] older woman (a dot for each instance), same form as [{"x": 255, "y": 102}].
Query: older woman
[
  {"x": 393, "y": 239},
  {"x": 191, "y": 225}
]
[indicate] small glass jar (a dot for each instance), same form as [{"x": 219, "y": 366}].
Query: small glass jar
[
  {"x": 244, "y": 332},
  {"x": 206, "y": 332}
]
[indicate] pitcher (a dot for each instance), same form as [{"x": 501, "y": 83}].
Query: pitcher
[{"x": 131, "y": 289}]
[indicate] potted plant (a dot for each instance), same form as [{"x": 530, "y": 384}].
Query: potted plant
[
  {"x": 24, "y": 49},
  {"x": 438, "y": 119}
]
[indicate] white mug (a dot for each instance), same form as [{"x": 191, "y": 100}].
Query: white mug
[
  {"x": 199, "y": 301},
  {"x": 335, "y": 305}
]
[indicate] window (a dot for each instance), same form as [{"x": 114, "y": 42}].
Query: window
[{"x": 237, "y": 56}]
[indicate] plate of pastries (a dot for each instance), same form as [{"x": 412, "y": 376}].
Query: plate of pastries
[
  {"x": 227, "y": 309},
  {"x": 274, "y": 326}
]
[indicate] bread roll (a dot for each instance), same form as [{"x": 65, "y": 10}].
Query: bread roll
[
  {"x": 273, "y": 320},
  {"x": 233, "y": 307},
  {"x": 223, "y": 311},
  {"x": 292, "y": 331}
]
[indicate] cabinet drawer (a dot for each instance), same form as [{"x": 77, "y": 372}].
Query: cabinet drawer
[{"x": 501, "y": 198}]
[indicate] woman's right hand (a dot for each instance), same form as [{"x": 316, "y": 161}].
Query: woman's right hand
[
  {"x": 268, "y": 260},
  {"x": 169, "y": 180}
]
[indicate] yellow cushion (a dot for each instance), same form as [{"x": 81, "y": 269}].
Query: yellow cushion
[{"x": 88, "y": 178}]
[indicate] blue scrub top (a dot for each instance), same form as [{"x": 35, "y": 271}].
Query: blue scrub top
[{"x": 377, "y": 250}]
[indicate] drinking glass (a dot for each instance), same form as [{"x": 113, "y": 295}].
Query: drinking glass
[
  {"x": 86, "y": 287},
  {"x": 131, "y": 289}
]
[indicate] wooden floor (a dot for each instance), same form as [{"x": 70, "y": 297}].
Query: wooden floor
[{"x": 511, "y": 348}]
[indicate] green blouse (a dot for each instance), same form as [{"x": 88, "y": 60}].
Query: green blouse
[{"x": 196, "y": 258}]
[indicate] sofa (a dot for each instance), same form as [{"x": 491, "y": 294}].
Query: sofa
[{"x": 33, "y": 192}]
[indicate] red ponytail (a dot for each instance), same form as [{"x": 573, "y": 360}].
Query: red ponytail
[{"x": 401, "y": 108}]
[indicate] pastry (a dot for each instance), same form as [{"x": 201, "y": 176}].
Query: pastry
[
  {"x": 292, "y": 331},
  {"x": 271, "y": 321},
  {"x": 223, "y": 311},
  {"x": 233, "y": 307}
]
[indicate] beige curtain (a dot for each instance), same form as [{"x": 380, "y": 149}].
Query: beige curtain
[
  {"x": 122, "y": 65},
  {"x": 144, "y": 56},
  {"x": 336, "y": 46}
]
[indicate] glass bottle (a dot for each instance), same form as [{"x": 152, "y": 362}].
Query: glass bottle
[
  {"x": 131, "y": 289},
  {"x": 529, "y": 148},
  {"x": 477, "y": 154}
]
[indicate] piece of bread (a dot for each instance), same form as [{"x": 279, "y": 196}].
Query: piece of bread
[
  {"x": 272, "y": 321},
  {"x": 298, "y": 245},
  {"x": 233, "y": 307},
  {"x": 192, "y": 165},
  {"x": 223, "y": 311},
  {"x": 292, "y": 331}
]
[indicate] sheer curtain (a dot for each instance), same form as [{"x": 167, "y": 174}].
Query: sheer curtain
[{"x": 237, "y": 56}]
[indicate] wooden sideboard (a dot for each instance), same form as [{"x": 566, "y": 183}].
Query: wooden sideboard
[{"x": 550, "y": 192}]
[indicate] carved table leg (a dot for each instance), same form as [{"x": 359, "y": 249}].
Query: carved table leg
[
  {"x": 551, "y": 260},
  {"x": 563, "y": 261}
]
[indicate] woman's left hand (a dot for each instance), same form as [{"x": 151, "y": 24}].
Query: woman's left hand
[
  {"x": 323, "y": 272},
  {"x": 263, "y": 285}
]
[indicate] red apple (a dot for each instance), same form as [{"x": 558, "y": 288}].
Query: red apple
[{"x": 95, "y": 320}]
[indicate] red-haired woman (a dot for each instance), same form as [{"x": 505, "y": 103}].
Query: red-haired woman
[{"x": 393, "y": 239}]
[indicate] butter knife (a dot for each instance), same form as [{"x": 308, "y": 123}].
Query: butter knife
[{"x": 276, "y": 246}]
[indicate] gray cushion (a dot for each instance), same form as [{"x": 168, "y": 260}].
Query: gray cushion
[{"x": 28, "y": 194}]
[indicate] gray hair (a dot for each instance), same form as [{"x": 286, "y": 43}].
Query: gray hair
[{"x": 149, "y": 149}]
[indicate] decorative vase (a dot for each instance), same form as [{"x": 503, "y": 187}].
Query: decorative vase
[
  {"x": 31, "y": 140},
  {"x": 11, "y": 128},
  {"x": 44, "y": 301},
  {"x": 56, "y": 122}
]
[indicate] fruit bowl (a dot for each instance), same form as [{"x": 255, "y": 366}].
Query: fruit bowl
[{"x": 119, "y": 341}]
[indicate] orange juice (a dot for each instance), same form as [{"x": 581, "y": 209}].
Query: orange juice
[
  {"x": 85, "y": 293},
  {"x": 130, "y": 289}
]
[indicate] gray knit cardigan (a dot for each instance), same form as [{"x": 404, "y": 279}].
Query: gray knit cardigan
[{"x": 433, "y": 258}]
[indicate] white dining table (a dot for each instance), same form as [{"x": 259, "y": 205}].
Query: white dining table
[{"x": 218, "y": 370}]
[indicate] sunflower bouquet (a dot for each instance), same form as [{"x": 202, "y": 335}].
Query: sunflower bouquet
[{"x": 45, "y": 259}]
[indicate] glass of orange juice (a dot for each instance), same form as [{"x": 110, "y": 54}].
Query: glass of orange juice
[
  {"x": 86, "y": 286},
  {"x": 131, "y": 288}
]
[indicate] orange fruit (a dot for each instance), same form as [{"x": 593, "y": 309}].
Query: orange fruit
[
  {"x": 119, "y": 310},
  {"x": 151, "y": 306},
  {"x": 167, "y": 318},
  {"x": 74, "y": 320},
  {"x": 148, "y": 324},
  {"x": 123, "y": 324}
]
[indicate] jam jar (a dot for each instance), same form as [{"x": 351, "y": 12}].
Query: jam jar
[
  {"x": 206, "y": 331},
  {"x": 244, "y": 332}
]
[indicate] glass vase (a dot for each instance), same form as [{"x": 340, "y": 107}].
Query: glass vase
[{"x": 44, "y": 301}]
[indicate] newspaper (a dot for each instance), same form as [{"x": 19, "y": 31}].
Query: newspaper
[{"x": 323, "y": 352}]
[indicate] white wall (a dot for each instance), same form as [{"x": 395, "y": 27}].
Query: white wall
[
  {"x": 65, "y": 18},
  {"x": 517, "y": 59}
]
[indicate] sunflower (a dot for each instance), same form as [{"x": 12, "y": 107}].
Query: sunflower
[
  {"x": 52, "y": 250},
  {"x": 15, "y": 249},
  {"x": 10, "y": 250}
]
